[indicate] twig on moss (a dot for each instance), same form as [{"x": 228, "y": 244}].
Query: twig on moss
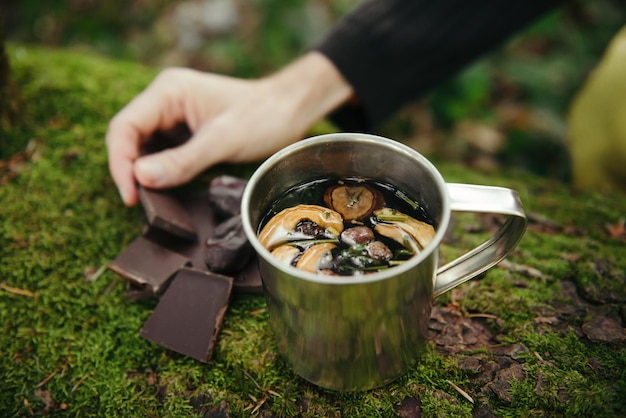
[
  {"x": 110, "y": 287},
  {"x": 80, "y": 382},
  {"x": 96, "y": 275},
  {"x": 259, "y": 403},
  {"x": 522, "y": 269},
  {"x": 47, "y": 379},
  {"x": 461, "y": 391},
  {"x": 482, "y": 315},
  {"x": 16, "y": 290}
]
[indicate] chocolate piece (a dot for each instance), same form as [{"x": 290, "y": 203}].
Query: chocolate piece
[
  {"x": 228, "y": 250},
  {"x": 225, "y": 193},
  {"x": 249, "y": 279},
  {"x": 164, "y": 139},
  {"x": 189, "y": 315},
  {"x": 172, "y": 243},
  {"x": 135, "y": 292},
  {"x": 202, "y": 217},
  {"x": 165, "y": 212},
  {"x": 148, "y": 265}
]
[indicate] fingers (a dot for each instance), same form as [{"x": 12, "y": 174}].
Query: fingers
[
  {"x": 155, "y": 108},
  {"x": 122, "y": 148},
  {"x": 171, "y": 167},
  {"x": 176, "y": 166},
  {"x": 233, "y": 121}
]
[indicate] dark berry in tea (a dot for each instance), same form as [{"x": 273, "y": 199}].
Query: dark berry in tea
[{"x": 345, "y": 227}]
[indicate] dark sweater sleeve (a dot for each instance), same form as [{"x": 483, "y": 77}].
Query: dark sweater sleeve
[{"x": 394, "y": 51}]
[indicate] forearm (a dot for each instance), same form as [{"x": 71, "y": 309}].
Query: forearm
[
  {"x": 312, "y": 87},
  {"x": 393, "y": 51}
]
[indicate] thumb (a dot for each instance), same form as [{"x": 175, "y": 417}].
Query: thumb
[{"x": 171, "y": 167}]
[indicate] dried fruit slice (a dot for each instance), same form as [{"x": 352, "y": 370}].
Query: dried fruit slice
[
  {"x": 314, "y": 256},
  {"x": 411, "y": 233},
  {"x": 353, "y": 202},
  {"x": 282, "y": 227}
]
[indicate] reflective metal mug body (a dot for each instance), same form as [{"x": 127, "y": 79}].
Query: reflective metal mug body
[{"x": 361, "y": 332}]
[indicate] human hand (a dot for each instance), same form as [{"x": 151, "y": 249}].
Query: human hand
[{"x": 231, "y": 120}]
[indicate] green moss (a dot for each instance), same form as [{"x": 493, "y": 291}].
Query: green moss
[
  {"x": 62, "y": 216},
  {"x": 569, "y": 384}
]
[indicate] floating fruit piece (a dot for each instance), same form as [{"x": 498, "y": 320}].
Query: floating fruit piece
[
  {"x": 353, "y": 202},
  {"x": 409, "y": 232},
  {"x": 357, "y": 235},
  {"x": 378, "y": 250},
  {"x": 286, "y": 253},
  {"x": 282, "y": 227},
  {"x": 315, "y": 257}
]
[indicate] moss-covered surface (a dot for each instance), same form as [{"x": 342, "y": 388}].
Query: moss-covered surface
[{"x": 540, "y": 336}]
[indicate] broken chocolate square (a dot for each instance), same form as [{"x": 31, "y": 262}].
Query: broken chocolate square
[
  {"x": 165, "y": 139},
  {"x": 148, "y": 265},
  {"x": 249, "y": 280},
  {"x": 201, "y": 216},
  {"x": 189, "y": 315},
  {"x": 165, "y": 212},
  {"x": 225, "y": 193},
  {"x": 229, "y": 249}
]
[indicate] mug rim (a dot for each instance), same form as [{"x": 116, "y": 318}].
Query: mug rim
[{"x": 410, "y": 264}]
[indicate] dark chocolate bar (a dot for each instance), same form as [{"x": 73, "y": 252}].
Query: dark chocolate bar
[
  {"x": 228, "y": 250},
  {"x": 189, "y": 315},
  {"x": 165, "y": 212},
  {"x": 202, "y": 215},
  {"x": 148, "y": 265},
  {"x": 249, "y": 280},
  {"x": 225, "y": 193}
]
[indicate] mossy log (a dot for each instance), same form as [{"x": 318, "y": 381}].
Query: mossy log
[
  {"x": 8, "y": 105},
  {"x": 539, "y": 335}
]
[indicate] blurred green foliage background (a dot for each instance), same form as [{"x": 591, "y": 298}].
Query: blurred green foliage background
[{"x": 508, "y": 108}]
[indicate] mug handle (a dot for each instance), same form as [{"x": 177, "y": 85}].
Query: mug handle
[{"x": 482, "y": 199}]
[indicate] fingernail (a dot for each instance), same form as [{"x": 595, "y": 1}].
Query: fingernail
[
  {"x": 151, "y": 172},
  {"x": 125, "y": 196}
]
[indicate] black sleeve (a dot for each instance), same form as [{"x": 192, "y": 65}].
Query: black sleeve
[{"x": 393, "y": 51}]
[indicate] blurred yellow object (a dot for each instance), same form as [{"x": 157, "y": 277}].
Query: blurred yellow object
[{"x": 597, "y": 123}]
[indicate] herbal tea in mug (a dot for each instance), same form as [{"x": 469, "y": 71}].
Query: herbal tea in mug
[{"x": 345, "y": 227}]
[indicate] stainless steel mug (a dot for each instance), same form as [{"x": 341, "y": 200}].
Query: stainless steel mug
[{"x": 361, "y": 332}]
